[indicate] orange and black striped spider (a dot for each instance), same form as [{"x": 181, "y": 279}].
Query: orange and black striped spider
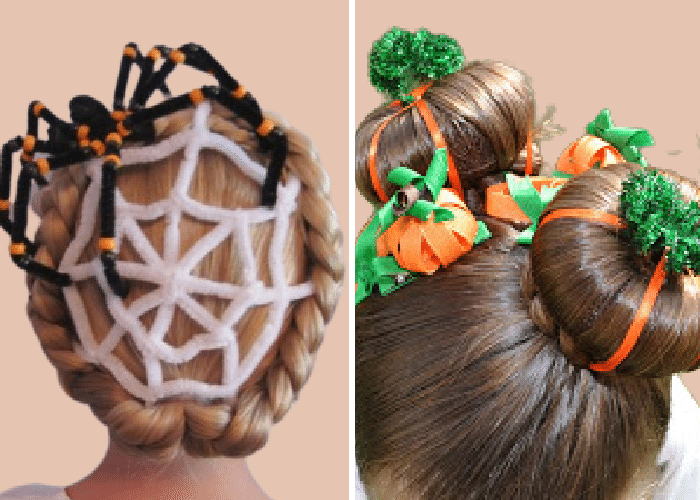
[{"x": 95, "y": 132}]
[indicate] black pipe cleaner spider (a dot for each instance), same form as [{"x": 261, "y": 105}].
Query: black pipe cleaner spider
[{"x": 95, "y": 132}]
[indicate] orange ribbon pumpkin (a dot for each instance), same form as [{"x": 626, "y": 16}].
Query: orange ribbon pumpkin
[
  {"x": 423, "y": 246},
  {"x": 583, "y": 154},
  {"x": 500, "y": 202}
]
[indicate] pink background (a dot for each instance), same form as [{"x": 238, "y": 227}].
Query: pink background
[
  {"x": 294, "y": 65},
  {"x": 637, "y": 59}
]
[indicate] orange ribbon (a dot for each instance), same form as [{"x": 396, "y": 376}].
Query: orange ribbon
[
  {"x": 433, "y": 128},
  {"x": 580, "y": 156},
  {"x": 423, "y": 246},
  {"x": 640, "y": 319},
  {"x": 584, "y": 213},
  {"x": 584, "y": 153},
  {"x": 642, "y": 315},
  {"x": 529, "y": 165}
]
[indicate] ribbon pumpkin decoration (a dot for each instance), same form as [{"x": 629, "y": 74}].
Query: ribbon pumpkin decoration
[
  {"x": 410, "y": 234},
  {"x": 423, "y": 246},
  {"x": 604, "y": 144},
  {"x": 522, "y": 199}
]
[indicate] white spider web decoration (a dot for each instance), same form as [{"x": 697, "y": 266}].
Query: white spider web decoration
[{"x": 172, "y": 276}]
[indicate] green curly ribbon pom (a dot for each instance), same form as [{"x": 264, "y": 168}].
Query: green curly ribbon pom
[
  {"x": 659, "y": 218},
  {"x": 400, "y": 61},
  {"x": 384, "y": 272}
]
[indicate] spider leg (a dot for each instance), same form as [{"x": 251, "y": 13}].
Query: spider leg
[
  {"x": 39, "y": 111},
  {"x": 8, "y": 149},
  {"x": 131, "y": 56},
  {"x": 191, "y": 55},
  {"x": 270, "y": 137},
  {"x": 107, "y": 243},
  {"x": 146, "y": 64},
  {"x": 29, "y": 145},
  {"x": 20, "y": 249},
  {"x": 199, "y": 58}
]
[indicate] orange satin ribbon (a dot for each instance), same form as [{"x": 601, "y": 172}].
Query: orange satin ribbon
[
  {"x": 640, "y": 319},
  {"x": 529, "y": 167},
  {"x": 423, "y": 246},
  {"x": 499, "y": 202},
  {"x": 648, "y": 301},
  {"x": 585, "y": 213},
  {"x": 433, "y": 128},
  {"x": 582, "y": 154}
]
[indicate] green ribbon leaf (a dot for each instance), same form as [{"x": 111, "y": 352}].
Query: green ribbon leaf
[
  {"x": 402, "y": 176},
  {"x": 436, "y": 175},
  {"x": 423, "y": 208},
  {"x": 562, "y": 175},
  {"x": 482, "y": 234},
  {"x": 530, "y": 201}
]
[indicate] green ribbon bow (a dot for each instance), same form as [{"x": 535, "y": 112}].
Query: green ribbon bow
[
  {"x": 530, "y": 201},
  {"x": 433, "y": 180},
  {"x": 382, "y": 271},
  {"x": 626, "y": 140},
  {"x": 385, "y": 272}
]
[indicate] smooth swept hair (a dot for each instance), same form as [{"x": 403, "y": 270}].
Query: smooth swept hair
[
  {"x": 474, "y": 382},
  {"x": 460, "y": 394},
  {"x": 233, "y": 426},
  {"x": 483, "y": 111},
  {"x": 591, "y": 280}
]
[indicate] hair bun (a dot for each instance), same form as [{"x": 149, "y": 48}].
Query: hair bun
[
  {"x": 480, "y": 111},
  {"x": 592, "y": 279}
]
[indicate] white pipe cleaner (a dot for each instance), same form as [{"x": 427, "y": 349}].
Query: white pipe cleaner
[{"x": 172, "y": 275}]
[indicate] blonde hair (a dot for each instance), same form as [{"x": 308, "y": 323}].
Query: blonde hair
[{"x": 233, "y": 427}]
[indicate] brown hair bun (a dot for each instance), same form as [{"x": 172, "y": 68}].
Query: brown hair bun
[
  {"x": 591, "y": 280},
  {"x": 483, "y": 111}
]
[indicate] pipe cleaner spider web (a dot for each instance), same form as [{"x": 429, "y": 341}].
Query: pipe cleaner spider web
[{"x": 176, "y": 286}]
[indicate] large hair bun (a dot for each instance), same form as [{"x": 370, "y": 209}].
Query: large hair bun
[
  {"x": 483, "y": 111},
  {"x": 591, "y": 279}
]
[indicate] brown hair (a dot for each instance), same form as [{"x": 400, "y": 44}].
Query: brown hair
[
  {"x": 479, "y": 373},
  {"x": 591, "y": 280},
  {"x": 483, "y": 111},
  {"x": 236, "y": 426},
  {"x": 462, "y": 392}
]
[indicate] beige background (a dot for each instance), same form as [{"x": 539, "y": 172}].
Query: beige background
[
  {"x": 294, "y": 65},
  {"x": 637, "y": 58}
]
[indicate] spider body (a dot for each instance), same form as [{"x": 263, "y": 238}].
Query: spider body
[{"x": 95, "y": 132}]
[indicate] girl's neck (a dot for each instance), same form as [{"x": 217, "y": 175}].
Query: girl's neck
[{"x": 123, "y": 476}]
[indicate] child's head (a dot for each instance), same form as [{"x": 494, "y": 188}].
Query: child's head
[
  {"x": 228, "y": 300},
  {"x": 484, "y": 379}
]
